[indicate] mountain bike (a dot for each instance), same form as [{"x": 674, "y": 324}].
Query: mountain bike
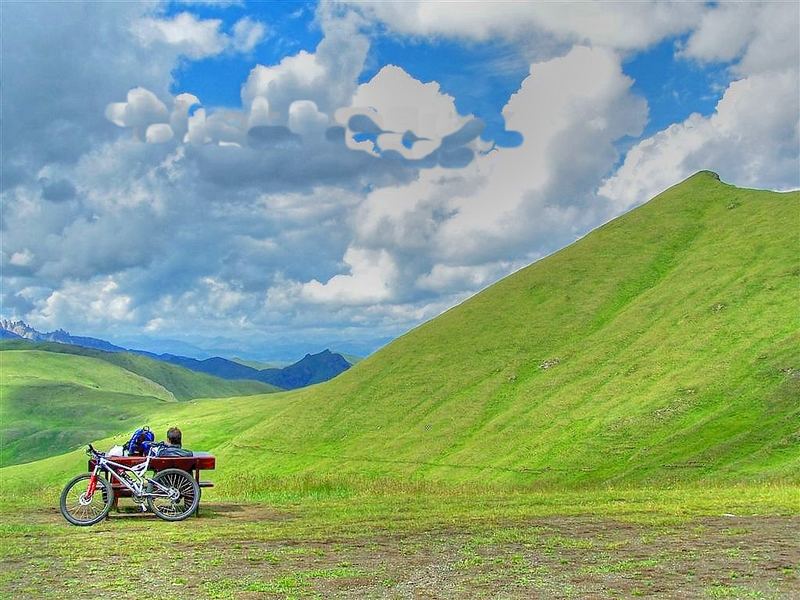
[{"x": 171, "y": 494}]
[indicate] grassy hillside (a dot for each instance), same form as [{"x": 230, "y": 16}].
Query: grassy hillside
[
  {"x": 55, "y": 397},
  {"x": 661, "y": 348},
  {"x": 182, "y": 383},
  {"x": 54, "y": 402},
  {"x": 664, "y": 346}
]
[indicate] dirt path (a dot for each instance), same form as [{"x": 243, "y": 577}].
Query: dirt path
[{"x": 228, "y": 553}]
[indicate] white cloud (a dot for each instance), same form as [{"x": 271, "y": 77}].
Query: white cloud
[
  {"x": 61, "y": 65},
  {"x": 621, "y": 25},
  {"x": 369, "y": 280},
  {"x": 247, "y": 34},
  {"x": 450, "y": 231},
  {"x": 305, "y": 119},
  {"x": 196, "y": 38},
  {"x": 221, "y": 295},
  {"x": 189, "y": 35},
  {"x": 753, "y": 136},
  {"x": 327, "y": 77},
  {"x": 196, "y": 132},
  {"x": 179, "y": 117},
  {"x": 759, "y": 36},
  {"x": 752, "y": 139},
  {"x": 444, "y": 278},
  {"x": 23, "y": 258},
  {"x": 141, "y": 110},
  {"x": 400, "y": 105},
  {"x": 251, "y": 221},
  {"x": 96, "y": 302},
  {"x": 158, "y": 133},
  {"x": 570, "y": 111}
]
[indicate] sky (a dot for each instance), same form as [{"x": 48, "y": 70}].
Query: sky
[{"x": 273, "y": 178}]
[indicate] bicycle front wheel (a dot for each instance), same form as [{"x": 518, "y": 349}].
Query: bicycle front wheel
[
  {"x": 181, "y": 495},
  {"x": 81, "y": 509}
]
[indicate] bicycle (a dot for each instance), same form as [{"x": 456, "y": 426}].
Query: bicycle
[{"x": 171, "y": 494}]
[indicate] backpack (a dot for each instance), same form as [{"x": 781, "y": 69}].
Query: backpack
[{"x": 140, "y": 442}]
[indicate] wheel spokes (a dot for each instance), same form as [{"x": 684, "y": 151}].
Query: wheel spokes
[
  {"x": 81, "y": 509},
  {"x": 178, "y": 484}
]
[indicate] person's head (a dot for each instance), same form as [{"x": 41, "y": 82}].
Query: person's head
[{"x": 174, "y": 436}]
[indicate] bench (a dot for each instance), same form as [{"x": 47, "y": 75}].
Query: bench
[{"x": 199, "y": 461}]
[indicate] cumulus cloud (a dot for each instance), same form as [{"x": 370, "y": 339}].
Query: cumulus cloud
[
  {"x": 197, "y": 38},
  {"x": 190, "y": 35},
  {"x": 751, "y": 139},
  {"x": 158, "y": 133},
  {"x": 305, "y": 119},
  {"x": 370, "y": 278},
  {"x": 97, "y": 302},
  {"x": 404, "y": 115},
  {"x": 247, "y": 34},
  {"x": 296, "y": 97},
  {"x": 447, "y": 232},
  {"x": 415, "y": 243},
  {"x": 58, "y": 75},
  {"x": 21, "y": 259},
  {"x": 326, "y": 208},
  {"x": 753, "y": 136},
  {"x": 141, "y": 110},
  {"x": 327, "y": 77},
  {"x": 758, "y": 36},
  {"x": 620, "y": 25}
]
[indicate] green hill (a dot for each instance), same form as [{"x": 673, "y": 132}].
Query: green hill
[
  {"x": 663, "y": 347},
  {"x": 54, "y": 397},
  {"x": 182, "y": 383},
  {"x": 54, "y": 402}
]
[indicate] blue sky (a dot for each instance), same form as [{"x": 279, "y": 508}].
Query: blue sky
[
  {"x": 673, "y": 87},
  {"x": 218, "y": 79},
  {"x": 268, "y": 179}
]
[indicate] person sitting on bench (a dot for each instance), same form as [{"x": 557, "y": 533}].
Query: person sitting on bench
[{"x": 173, "y": 445}]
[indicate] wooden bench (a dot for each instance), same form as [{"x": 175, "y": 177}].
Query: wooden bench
[{"x": 199, "y": 461}]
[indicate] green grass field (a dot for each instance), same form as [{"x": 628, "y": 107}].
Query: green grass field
[
  {"x": 644, "y": 380},
  {"x": 393, "y": 540}
]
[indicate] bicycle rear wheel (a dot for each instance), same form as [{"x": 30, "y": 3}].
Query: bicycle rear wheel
[
  {"x": 80, "y": 509},
  {"x": 184, "y": 495}
]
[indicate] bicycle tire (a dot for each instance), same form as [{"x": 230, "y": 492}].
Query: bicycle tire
[
  {"x": 94, "y": 512},
  {"x": 187, "y": 501}
]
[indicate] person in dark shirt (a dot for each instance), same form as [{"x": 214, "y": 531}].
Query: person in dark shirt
[
  {"x": 174, "y": 436},
  {"x": 174, "y": 444}
]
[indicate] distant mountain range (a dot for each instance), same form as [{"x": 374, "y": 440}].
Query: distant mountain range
[
  {"x": 20, "y": 329},
  {"x": 311, "y": 369}
]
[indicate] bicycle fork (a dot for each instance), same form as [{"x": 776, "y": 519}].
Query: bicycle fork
[{"x": 92, "y": 485}]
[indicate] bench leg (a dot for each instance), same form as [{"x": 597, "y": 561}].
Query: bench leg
[
  {"x": 115, "y": 502},
  {"x": 197, "y": 479}
]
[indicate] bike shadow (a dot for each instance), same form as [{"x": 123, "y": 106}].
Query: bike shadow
[{"x": 206, "y": 512}]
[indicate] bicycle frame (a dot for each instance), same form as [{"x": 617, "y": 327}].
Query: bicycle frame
[{"x": 136, "y": 487}]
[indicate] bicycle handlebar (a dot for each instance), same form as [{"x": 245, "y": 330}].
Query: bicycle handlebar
[{"x": 92, "y": 452}]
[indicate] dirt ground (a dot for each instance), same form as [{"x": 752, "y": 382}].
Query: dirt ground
[{"x": 222, "y": 554}]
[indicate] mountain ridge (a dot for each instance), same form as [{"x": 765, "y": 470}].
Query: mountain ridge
[
  {"x": 22, "y": 330},
  {"x": 311, "y": 369}
]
